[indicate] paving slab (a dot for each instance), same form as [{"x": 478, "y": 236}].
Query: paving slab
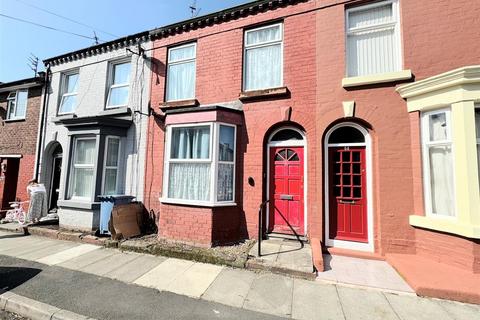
[
  {"x": 364, "y": 304},
  {"x": 407, "y": 307},
  {"x": 295, "y": 258},
  {"x": 46, "y": 251},
  {"x": 68, "y": 254},
  {"x": 195, "y": 280},
  {"x": 315, "y": 301},
  {"x": 86, "y": 259},
  {"x": 270, "y": 293},
  {"x": 17, "y": 242},
  {"x": 230, "y": 287},
  {"x": 161, "y": 276},
  {"x": 110, "y": 263},
  {"x": 458, "y": 310},
  {"x": 136, "y": 268},
  {"x": 25, "y": 249}
]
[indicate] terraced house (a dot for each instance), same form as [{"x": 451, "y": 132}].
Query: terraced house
[
  {"x": 94, "y": 136},
  {"x": 354, "y": 124}
]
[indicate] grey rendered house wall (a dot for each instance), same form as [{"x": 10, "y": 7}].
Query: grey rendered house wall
[{"x": 91, "y": 100}]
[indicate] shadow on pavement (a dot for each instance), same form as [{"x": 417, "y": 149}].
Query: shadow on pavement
[
  {"x": 12, "y": 277},
  {"x": 13, "y": 235}
]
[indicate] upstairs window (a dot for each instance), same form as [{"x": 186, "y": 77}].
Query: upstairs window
[
  {"x": 17, "y": 104},
  {"x": 119, "y": 85},
  {"x": 69, "y": 89},
  {"x": 373, "y": 39},
  {"x": 181, "y": 72},
  {"x": 438, "y": 163},
  {"x": 263, "y": 58}
]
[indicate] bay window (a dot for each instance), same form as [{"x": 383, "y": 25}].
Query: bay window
[
  {"x": 110, "y": 169},
  {"x": 119, "y": 84},
  {"x": 200, "y": 164},
  {"x": 83, "y": 168},
  {"x": 69, "y": 89},
  {"x": 373, "y": 39},
  {"x": 17, "y": 105},
  {"x": 263, "y": 58},
  {"x": 438, "y": 163},
  {"x": 181, "y": 72}
]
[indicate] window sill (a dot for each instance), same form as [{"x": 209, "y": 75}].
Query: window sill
[
  {"x": 179, "y": 104},
  {"x": 376, "y": 78},
  {"x": 78, "y": 204},
  {"x": 446, "y": 225},
  {"x": 264, "y": 93},
  {"x": 14, "y": 120},
  {"x": 197, "y": 203}
]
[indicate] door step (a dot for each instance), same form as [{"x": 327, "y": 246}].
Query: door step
[{"x": 286, "y": 237}]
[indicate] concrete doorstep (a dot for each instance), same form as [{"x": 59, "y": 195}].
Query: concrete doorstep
[{"x": 35, "y": 310}]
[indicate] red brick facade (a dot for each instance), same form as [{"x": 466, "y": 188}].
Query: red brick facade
[
  {"x": 19, "y": 138},
  {"x": 313, "y": 66}
]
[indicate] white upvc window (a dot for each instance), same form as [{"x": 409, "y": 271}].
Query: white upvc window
[
  {"x": 110, "y": 185},
  {"x": 373, "y": 44},
  {"x": 181, "y": 72},
  {"x": 438, "y": 163},
  {"x": 200, "y": 164},
  {"x": 477, "y": 129},
  {"x": 263, "y": 58},
  {"x": 17, "y": 104},
  {"x": 82, "y": 176},
  {"x": 69, "y": 88},
  {"x": 119, "y": 84}
]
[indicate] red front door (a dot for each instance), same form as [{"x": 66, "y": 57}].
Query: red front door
[
  {"x": 286, "y": 190},
  {"x": 348, "y": 194}
]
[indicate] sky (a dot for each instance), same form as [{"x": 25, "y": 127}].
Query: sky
[{"x": 110, "y": 19}]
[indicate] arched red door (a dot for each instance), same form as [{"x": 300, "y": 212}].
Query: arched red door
[{"x": 286, "y": 207}]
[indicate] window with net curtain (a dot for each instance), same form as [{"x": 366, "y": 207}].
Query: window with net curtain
[
  {"x": 17, "y": 104},
  {"x": 263, "y": 58},
  {"x": 110, "y": 173},
  {"x": 119, "y": 85},
  {"x": 195, "y": 170},
  {"x": 437, "y": 155},
  {"x": 181, "y": 72},
  {"x": 373, "y": 39},
  {"x": 69, "y": 89},
  {"x": 83, "y": 168}
]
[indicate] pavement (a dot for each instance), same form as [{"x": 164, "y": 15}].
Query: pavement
[{"x": 108, "y": 284}]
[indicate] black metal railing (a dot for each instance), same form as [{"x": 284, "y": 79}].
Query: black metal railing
[{"x": 260, "y": 226}]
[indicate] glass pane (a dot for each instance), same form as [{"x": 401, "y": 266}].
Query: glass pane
[
  {"x": 356, "y": 168},
  {"x": 346, "y": 179},
  {"x": 287, "y": 134},
  {"x": 68, "y": 104},
  {"x": 263, "y": 67},
  {"x": 263, "y": 35},
  {"x": 355, "y": 156},
  {"x": 441, "y": 180},
  {"x": 72, "y": 83},
  {"x": 110, "y": 186},
  {"x": 225, "y": 182},
  {"x": 112, "y": 152},
  {"x": 226, "y": 143},
  {"x": 190, "y": 143},
  {"x": 357, "y": 180},
  {"x": 338, "y": 191},
  {"x": 346, "y": 168},
  {"x": 438, "y": 126},
  {"x": 118, "y": 96},
  {"x": 121, "y": 73},
  {"x": 21, "y": 104},
  {"x": 369, "y": 17},
  {"x": 181, "y": 81},
  {"x": 290, "y": 153},
  {"x": 295, "y": 158},
  {"x": 11, "y": 109},
  {"x": 346, "y": 135},
  {"x": 85, "y": 152},
  {"x": 82, "y": 182},
  {"x": 346, "y": 156},
  {"x": 357, "y": 192},
  {"x": 347, "y": 192},
  {"x": 183, "y": 53},
  {"x": 337, "y": 179},
  {"x": 189, "y": 181}
]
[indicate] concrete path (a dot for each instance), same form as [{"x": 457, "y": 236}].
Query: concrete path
[{"x": 260, "y": 292}]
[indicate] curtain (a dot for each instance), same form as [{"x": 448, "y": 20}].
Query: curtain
[
  {"x": 189, "y": 181},
  {"x": 441, "y": 180},
  {"x": 110, "y": 186},
  {"x": 83, "y": 182},
  {"x": 263, "y": 67},
  {"x": 190, "y": 143},
  {"x": 83, "y": 168},
  {"x": 225, "y": 182},
  {"x": 438, "y": 127},
  {"x": 181, "y": 81}
]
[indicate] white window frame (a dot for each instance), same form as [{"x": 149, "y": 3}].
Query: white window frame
[
  {"x": 177, "y": 62},
  {"x": 212, "y": 159},
  {"x": 64, "y": 92},
  {"x": 117, "y": 167},
  {"x": 73, "y": 166},
  {"x": 426, "y": 144},
  {"x": 111, "y": 85},
  {"x": 395, "y": 24},
  {"x": 264, "y": 44},
  {"x": 477, "y": 108},
  {"x": 13, "y": 96}
]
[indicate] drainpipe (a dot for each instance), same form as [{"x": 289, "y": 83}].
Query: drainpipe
[{"x": 43, "y": 121}]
